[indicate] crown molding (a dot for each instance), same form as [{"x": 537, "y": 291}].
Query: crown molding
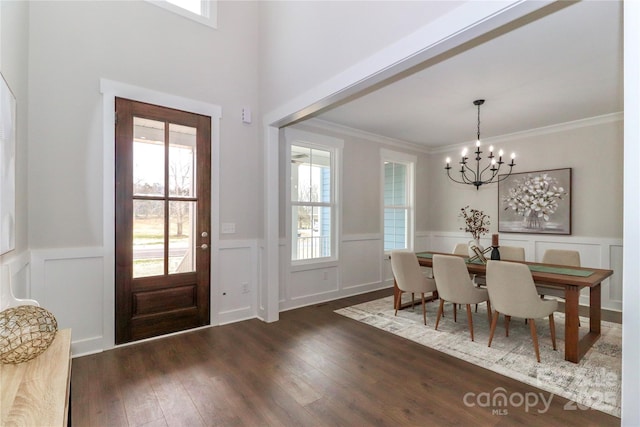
[
  {"x": 560, "y": 127},
  {"x": 357, "y": 133},
  {"x": 545, "y": 130}
]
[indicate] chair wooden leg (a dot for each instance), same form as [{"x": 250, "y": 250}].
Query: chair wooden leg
[
  {"x": 534, "y": 336},
  {"x": 488, "y": 310},
  {"x": 398, "y": 302},
  {"x": 424, "y": 310},
  {"x": 440, "y": 307},
  {"x": 552, "y": 328},
  {"x": 413, "y": 300},
  {"x": 507, "y": 319},
  {"x": 494, "y": 322},
  {"x": 470, "y": 319},
  {"x": 455, "y": 312}
]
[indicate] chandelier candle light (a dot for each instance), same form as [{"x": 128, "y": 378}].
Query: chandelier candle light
[{"x": 468, "y": 175}]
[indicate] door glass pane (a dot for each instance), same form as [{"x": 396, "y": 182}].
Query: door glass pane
[
  {"x": 148, "y": 238},
  {"x": 181, "y": 237},
  {"x": 182, "y": 160},
  {"x": 148, "y": 157}
]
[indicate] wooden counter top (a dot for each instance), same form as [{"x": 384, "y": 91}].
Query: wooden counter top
[{"x": 36, "y": 393}]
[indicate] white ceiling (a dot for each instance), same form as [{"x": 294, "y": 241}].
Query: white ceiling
[{"x": 564, "y": 66}]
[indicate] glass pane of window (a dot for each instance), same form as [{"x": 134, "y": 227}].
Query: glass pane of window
[
  {"x": 182, "y": 160},
  {"x": 310, "y": 175},
  {"x": 148, "y": 238},
  {"x": 313, "y": 238},
  {"x": 148, "y": 157},
  {"x": 181, "y": 234},
  {"x": 395, "y": 184},
  {"x": 395, "y": 229}
]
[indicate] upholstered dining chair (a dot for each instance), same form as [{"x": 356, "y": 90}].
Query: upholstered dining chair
[
  {"x": 511, "y": 253},
  {"x": 455, "y": 286},
  {"x": 461, "y": 249},
  {"x": 561, "y": 257},
  {"x": 513, "y": 293},
  {"x": 410, "y": 278},
  {"x": 567, "y": 257}
]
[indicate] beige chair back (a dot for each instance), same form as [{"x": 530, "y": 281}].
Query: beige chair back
[
  {"x": 408, "y": 275},
  {"x": 452, "y": 280},
  {"x": 561, "y": 257},
  {"x": 511, "y": 253},
  {"x": 461, "y": 249},
  {"x": 513, "y": 292}
]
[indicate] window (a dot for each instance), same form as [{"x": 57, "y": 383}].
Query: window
[
  {"x": 398, "y": 199},
  {"x": 313, "y": 163},
  {"x": 203, "y": 11}
]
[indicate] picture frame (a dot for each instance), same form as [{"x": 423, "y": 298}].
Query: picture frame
[
  {"x": 7, "y": 167},
  {"x": 517, "y": 211}
]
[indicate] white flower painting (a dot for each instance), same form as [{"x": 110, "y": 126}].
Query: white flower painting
[{"x": 536, "y": 202}]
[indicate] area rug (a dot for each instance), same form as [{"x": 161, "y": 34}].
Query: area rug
[{"x": 595, "y": 382}]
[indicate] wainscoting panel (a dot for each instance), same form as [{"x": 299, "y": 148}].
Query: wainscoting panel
[
  {"x": 238, "y": 290},
  {"x": 19, "y": 272},
  {"x": 310, "y": 282},
  {"x": 614, "y": 291},
  {"x": 69, "y": 283},
  {"x": 360, "y": 260},
  {"x": 360, "y": 269}
]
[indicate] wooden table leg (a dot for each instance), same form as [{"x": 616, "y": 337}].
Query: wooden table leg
[
  {"x": 571, "y": 324},
  {"x": 576, "y": 347},
  {"x": 595, "y": 308}
]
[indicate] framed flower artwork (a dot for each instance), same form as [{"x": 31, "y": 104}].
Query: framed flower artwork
[{"x": 537, "y": 202}]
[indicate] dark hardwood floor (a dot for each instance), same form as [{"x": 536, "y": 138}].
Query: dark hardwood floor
[{"x": 311, "y": 368}]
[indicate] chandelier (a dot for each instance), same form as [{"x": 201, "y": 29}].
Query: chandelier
[{"x": 478, "y": 177}]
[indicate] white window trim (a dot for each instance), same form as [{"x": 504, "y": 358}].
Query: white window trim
[
  {"x": 322, "y": 142},
  {"x": 411, "y": 162},
  {"x": 210, "y": 7}
]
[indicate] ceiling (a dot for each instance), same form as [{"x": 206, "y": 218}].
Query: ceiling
[{"x": 561, "y": 65}]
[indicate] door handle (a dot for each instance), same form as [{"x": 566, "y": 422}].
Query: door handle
[{"x": 204, "y": 246}]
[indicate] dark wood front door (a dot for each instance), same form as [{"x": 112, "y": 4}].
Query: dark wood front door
[{"x": 163, "y": 203}]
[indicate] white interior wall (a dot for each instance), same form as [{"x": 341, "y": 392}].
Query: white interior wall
[
  {"x": 75, "y": 44},
  {"x": 591, "y": 147},
  {"x": 294, "y": 32},
  {"x": 72, "y": 46}
]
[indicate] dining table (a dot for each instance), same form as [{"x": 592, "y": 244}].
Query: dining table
[{"x": 571, "y": 279}]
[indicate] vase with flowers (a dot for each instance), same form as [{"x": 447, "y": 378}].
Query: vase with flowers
[{"x": 477, "y": 223}]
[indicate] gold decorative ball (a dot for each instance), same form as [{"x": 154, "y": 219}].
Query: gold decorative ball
[{"x": 26, "y": 331}]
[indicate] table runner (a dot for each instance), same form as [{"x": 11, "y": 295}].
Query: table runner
[{"x": 537, "y": 268}]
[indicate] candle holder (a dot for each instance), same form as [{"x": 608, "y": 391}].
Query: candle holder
[{"x": 477, "y": 177}]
